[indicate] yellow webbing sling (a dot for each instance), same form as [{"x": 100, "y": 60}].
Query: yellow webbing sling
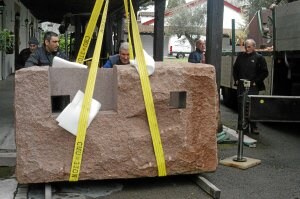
[
  {"x": 128, "y": 29},
  {"x": 89, "y": 32},
  {"x": 84, "y": 114},
  {"x": 83, "y": 120},
  {"x": 148, "y": 99}
]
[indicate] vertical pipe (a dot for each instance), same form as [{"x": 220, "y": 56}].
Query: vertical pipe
[
  {"x": 232, "y": 49},
  {"x": 242, "y": 92},
  {"x": 214, "y": 36},
  {"x": 66, "y": 44}
]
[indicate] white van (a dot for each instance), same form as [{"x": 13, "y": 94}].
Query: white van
[{"x": 179, "y": 47}]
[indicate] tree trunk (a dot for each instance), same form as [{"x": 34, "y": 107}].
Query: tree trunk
[{"x": 191, "y": 41}]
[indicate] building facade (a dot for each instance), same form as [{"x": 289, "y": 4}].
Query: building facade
[{"x": 16, "y": 19}]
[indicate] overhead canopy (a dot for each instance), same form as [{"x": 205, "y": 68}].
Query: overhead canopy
[{"x": 54, "y": 10}]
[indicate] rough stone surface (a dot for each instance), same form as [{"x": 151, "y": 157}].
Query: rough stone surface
[{"x": 118, "y": 141}]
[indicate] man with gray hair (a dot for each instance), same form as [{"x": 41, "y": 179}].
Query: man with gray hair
[
  {"x": 251, "y": 66},
  {"x": 198, "y": 56},
  {"x": 120, "y": 59}
]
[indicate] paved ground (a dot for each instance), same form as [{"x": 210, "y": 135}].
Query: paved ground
[
  {"x": 7, "y": 142},
  {"x": 277, "y": 177}
]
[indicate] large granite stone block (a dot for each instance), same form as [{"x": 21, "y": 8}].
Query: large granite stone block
[{"x": 118, "y": 142}]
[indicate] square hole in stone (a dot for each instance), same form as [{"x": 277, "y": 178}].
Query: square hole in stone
[
  {"x": 178, "y": 99},
  {"x": 60, "y": 102}
]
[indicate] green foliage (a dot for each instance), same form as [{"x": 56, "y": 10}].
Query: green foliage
[
  {"x": 144, "y": 6},
  {"x": 175, "y": 3},
  {"x": 188, "y": 22},
  {"x": 6, "y": 41},
  {"x": 62, "y": 42},
  {"x": 250, "y": 8},
  {"x": 192, "y": 22},
  {"x": 255, "y": 5}
]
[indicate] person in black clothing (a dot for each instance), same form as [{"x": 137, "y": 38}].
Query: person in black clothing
[
  {"x": 25, "y": 53},
  {"x": 44, "y": 55},
  {"x": 251, "y": 66},
  {"x": 198, "y": 56}
]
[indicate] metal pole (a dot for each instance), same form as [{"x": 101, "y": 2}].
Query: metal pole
[
  {"x": 243, "y": 88},
  {"x": 66, "y": 44},
  {"x": 232, "y": 49},
  {"x": 158, "y": 41},
  {"x": 214, "y": 36}
]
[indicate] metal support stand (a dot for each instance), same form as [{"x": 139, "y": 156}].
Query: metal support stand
[
  {"x": 242, "y": 122},
  {"x": 207, "y": 186},
  {"x": 48, "y": 191},
  {"x": 239, "y": 157}
]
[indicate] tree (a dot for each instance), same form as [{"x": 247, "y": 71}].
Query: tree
[
  {"x": 250, "y": 9},
  {"x": 145, "y": 5},
  {"x": 252, "y": 6},
  {"x": 190, "y": 22},
  {"x": 175, "y": 3}
]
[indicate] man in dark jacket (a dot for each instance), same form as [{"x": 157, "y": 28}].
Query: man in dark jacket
[
  {"x": 44, "y": 55},
  {"x": 250, "y": 66},
  {"x": 198, "y": 56},
  {"x": 25, "y": 53},
  {"x": 120, "y": 59}
]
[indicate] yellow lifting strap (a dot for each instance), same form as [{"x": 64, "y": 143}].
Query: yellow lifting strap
[
  {"x": 148, "y": 99},
  {"x": 89, "y": 32},
  {"x": 128, "y": 29},
  {"x": 146, "y": 88},
  {"x": 89, "y": 90}
]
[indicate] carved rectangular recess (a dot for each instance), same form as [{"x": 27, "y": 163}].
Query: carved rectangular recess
[
  {"x": 58, "y": 103},
  {"x": 177, "y": 99}
]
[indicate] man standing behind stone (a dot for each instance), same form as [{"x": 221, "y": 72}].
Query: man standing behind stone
[
  {"x": 197, "y": 56},
  {"x": 25, "y": 53},
  {"x": 251, "y": 66},
  {"x": 44, "y": 55},
  {"x": 120, "y": 59}
]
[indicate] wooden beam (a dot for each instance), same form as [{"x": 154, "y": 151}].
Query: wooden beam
[{"x": 207, "y": 186}]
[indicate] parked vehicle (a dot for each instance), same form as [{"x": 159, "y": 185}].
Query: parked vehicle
[
  {"x": 179, "y": 47},
  {"x": 281, "y": 100}
]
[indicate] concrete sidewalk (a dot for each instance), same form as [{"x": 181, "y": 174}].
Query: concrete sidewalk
[
  {"x": 8, "y": 183},
  {"x": 7, "y": 132}
]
